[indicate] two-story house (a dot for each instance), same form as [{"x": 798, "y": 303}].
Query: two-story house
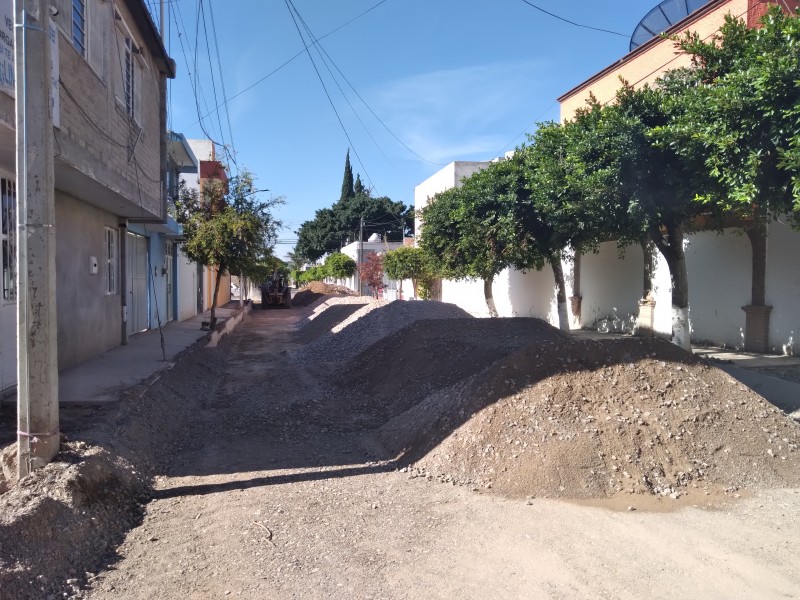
[{"x": 110, "y": 146}]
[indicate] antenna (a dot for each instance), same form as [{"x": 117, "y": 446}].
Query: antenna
[{"x": 661, "y": 18}]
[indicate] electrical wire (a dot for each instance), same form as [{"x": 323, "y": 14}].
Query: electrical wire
[
  {"x": 175, "y": 15},
  {"x": 321, "y": 49},
  {"x": 292, "y": 11},
  {"x": 285, "y": 63},
  {"x": 555, "y": 16}
]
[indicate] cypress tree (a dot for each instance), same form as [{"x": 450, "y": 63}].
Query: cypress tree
[
  {"x": 360, "y": 190},
  {"x": 348, "y": 190}
]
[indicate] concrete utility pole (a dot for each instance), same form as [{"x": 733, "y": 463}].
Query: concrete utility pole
[
  {"x": 360, "y": 255},
  {"x": 37, "y": 385}
]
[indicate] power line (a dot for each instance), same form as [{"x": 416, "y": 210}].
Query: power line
[
  {"x": 292, "y": 11},
  {"x": 282, "y": 65},
  {"x": 324, "y": 55},
  {"x": 555, "y": 16},
  {"x": 321, "y": 50}
]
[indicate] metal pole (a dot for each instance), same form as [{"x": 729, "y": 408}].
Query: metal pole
[{"x": 37, "y": 359}]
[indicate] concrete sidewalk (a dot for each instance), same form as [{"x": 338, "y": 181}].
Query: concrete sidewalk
[
  {"x": 101, "y": 378},
  {"x": 744, "y": 366}
]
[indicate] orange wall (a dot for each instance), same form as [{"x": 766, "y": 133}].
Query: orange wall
[{"x": 650, "y": 60}]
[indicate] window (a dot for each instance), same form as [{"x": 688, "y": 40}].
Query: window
[
  {"x": 129, "y": 78},
  {"x": 8, "y": 235},
  {"x": 79, "y": 26},
  {"x": 112, "y": 260},
  {"x": 131, "y": 65}
]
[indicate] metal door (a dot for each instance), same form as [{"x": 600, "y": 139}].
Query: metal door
[
  {"x": 169, "y": 275},
  {"x": 136, "y": 260}
]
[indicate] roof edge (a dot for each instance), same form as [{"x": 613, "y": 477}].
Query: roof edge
[{"x": 679, "y": 26}]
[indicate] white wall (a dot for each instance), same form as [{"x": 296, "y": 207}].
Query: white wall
[
  {"x": 448, "y": 177},
  {"x": 611, "y": 285},
  {"x": 719, "y": 268},
  {"x": 783, "y": 287}
]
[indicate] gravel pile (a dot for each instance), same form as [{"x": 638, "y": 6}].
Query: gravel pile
[
  {"x": 328, "y": 314},
  {"x": 594, "y": 419},
  {"x": 369, "y": 325}
]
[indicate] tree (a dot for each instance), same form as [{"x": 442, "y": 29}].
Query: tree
[
  {"x": 740, "y": 121},
  {"x": 371, "y": 271},
  {"x": 410, "y": 263},
  {"x": 316, "y": 273},
  {"x": 339, "y": 266},
  {"x": 226, "y": 228},
  {"x": 332, "y": 227},
  {"x": 359, "y": 188},
  {"x": 348, "y": 189},
  {"x": 468, "y": 229}
]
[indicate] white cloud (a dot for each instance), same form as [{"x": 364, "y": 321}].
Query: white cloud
[{"x": 455, "y": 114}]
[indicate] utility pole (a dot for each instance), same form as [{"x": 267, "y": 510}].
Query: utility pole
[
  {"x": 360, "y": 255},
  {"x": 37, "y": 386}
]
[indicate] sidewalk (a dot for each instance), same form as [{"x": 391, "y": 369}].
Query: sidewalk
[
  {"x": 102, "y": 377},
  {"x": 99, "y": 379}
]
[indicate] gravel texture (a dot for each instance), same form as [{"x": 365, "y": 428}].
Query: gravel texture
[{"x": 369, "y": 325}]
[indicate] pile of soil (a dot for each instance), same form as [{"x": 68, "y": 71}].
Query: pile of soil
[
  {"x": 369, "y": 325},
  {"x": 574, "y": 418},
  {"x": 60, "y": 523},
  {"x": 426, "y": 356},
  {"x": 316, "y": 289}
]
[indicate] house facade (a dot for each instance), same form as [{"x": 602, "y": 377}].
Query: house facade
[
  {"x": 109, "y": 114},
  {"x": 606, "y": 288},
  {"x": 722, "y": 308}
]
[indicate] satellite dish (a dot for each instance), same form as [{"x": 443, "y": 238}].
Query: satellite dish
[{"x": 662, "y": 17}]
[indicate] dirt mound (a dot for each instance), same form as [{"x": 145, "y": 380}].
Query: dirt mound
[
  {"x": 326, "y": 320},
  {"x": 398, "y": 372},
  {"x": 369, "y": 325},
  {"x": 317, "y": 289},
  {"x": 86, "y": 495},
  {"x": 61, "y": 523},
  {"x": 592, "y": 419}
]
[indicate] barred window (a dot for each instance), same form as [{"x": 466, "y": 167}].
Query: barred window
[
  {"x": 79, "y": 26},
  {"x": 8, "y": 235},
  {"x": 112, "y": 260}
]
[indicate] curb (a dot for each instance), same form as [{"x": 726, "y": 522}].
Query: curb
[{"x": 230, "y": 325}]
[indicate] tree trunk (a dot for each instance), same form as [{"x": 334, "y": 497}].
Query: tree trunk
[
  {"x": 673, "y": 253},
  {"x": 218, "y": 280},
  {"x": 561, "y": 292},
  {"x": 758, "y": 243},
  {"x": 649, "y": 252},
  {"x": 487, "y": 293}
]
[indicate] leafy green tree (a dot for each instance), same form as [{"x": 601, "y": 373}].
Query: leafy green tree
[
  {"x": 740, "y": 120},
  {"x": 226, "y": 227},
  {"x": 410, "y": 263},
  {"x": 359, "y": 188},
  {"x": 340, "y": 224},
  {"x": 339, "y": 266},
  {"x": 469, "y": 229},
  {"x": 316, "y": 273}
]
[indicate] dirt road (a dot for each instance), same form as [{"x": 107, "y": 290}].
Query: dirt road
[{"x": 279, "y": 500}]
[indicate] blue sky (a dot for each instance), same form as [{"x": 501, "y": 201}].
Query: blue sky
[{"x": 452, "y": 79}]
